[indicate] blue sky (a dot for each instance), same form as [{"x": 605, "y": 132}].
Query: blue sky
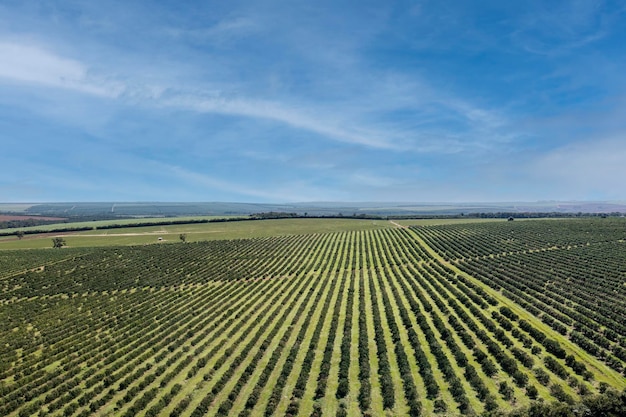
[{"x": 286, "y": 101}]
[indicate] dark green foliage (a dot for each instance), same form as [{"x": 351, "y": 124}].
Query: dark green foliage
[
  {"x": 490, "y": 403},
  {"x": 58, "y": 242},
  {"x": 563, "y": 286},
  {"x": 520, "y": 378},
  {"x": 343, "y": 387},
  {"x": 505, "y": 390},
  {"x": 317, "y": 410},
  {"x": 557, "y": 392},
  {"x": 322, "y": 378},
  {"x": 364, "y": 363},
  {"x": 542, "y": 376},
  {"x": 244, "y": 316},
  {"x": 552, "y": 346},
  {"x": 555, "y": 367},
  {"x": 440, "y": 406},
  {"x": 384, "y": 370},
  {"x": 523, "y": 357},
  {"x": 506, "y": 312},
  {"x": 610, "y": 404}
]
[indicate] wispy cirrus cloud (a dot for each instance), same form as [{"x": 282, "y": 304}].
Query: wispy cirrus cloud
[
  {"x": 343, "y": 121},
  {"x": 220, "y": 33},
  {"x": 25, "y": 63},
  {"x": 292, "y": 191},
  {"x": 594, "y": 168},
  {"x": 560, "y": 27},
  {"x": 269, "y": 110}
]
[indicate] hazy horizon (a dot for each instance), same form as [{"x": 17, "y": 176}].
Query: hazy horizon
[
  {"x": 178, "y": 209},
  {"x": 398, "y": 202}
]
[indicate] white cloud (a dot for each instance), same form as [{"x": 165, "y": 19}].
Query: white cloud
[
  {"x": 285, "y": 192},
  {"x": 556, "y": 27},
  {"x": 24, "y": 63},
  {"x": 372, "y": 180},
  {"x": 28, "y": 64},
  {"x": 593, "y": 169},
  {"x": 354, "y": 119},
  {"x": 368, "y": 117},
  {"x": 221, "y": 32},
  {"x": 289, "y": 115}
]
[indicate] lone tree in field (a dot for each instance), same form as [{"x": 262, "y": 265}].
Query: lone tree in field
[
  {"x": 19, "y": 234},
  {"x": 183, "y": 237},
  {"x": 58, "y": 242}
]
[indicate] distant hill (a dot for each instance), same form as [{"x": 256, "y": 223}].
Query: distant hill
[{"x": 104, "y": 210}]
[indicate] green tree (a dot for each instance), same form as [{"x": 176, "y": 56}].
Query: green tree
[
  {"x": 506, "y": 391},
  {"x": 532, "y": 392},
  {"x": 183, "y": 237},
  {"x": 58, "y": 242},
  {"x": 19, "y": 234}
]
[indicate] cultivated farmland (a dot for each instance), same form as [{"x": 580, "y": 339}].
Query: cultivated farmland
[{"x": 427, "y": 320}]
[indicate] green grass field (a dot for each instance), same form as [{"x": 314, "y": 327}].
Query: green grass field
[
  {"x": 100, "y": 223},
  {"x": 194, "y": 232},
  {"x": 200, "y": 231}
]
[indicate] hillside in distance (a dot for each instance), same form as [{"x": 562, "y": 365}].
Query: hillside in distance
[{"x": 173, "y": 209}]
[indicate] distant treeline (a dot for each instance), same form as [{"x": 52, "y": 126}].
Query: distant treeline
[
  {"x": 40, "y": 220},
  {"x": 504, "y": 215},
  {"x": 120, "y": 226},
  {"x": 37, "y": 231},
  {"x": 12, "y": 224},
  {"x": 274, "y": 215},
  {"x": 159, "y": 223},
  {"x": 496, "y": 215},
  {"x": 285, "y": 215}
]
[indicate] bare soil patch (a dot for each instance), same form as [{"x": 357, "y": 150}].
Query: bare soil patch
[{"x": 397, "y": 224}]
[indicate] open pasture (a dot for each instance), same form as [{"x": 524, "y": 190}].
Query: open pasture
[
  {"x": 194, "y": 232},
  {"x": 107, "y": 223},
  {"x": 374, "y": 319}
]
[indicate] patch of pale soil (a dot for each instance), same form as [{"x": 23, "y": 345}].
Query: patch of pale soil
[{"x": 397, "y": 224}]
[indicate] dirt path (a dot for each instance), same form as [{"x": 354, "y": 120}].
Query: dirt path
[{"x": 397, "y": 224}]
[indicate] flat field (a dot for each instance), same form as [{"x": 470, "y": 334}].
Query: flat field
[
  {"x": 316, "y": 317},
  {"x": 194, "y": 232}
]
